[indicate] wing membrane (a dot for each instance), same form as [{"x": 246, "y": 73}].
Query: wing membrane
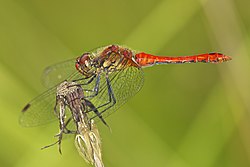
[
  {"x": 57, "y": 73},
  {"x": 40, "y": 110}
]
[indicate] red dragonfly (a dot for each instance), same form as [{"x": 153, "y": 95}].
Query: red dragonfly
[{"x": 109, "y": 76}]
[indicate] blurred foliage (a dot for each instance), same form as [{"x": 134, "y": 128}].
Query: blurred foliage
[{"x": 189, "y": 115}]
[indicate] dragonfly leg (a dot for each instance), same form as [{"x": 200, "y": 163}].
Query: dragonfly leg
[
  {"x": 88, "y": 82},
  {"x": 66, "y": 130},
  {"x": 96, "y": 88},
  {"x": 94, "y": 109},
  {"x": 111, "y": 97}
]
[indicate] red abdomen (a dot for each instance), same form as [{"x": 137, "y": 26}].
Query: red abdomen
[{"x": 144, "y": 59}]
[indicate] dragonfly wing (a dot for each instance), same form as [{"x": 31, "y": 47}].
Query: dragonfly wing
[
  {"x": 125, "y": 84},
  {"x": 40, "y": 110},
  {"x": 57, "y": 73}
]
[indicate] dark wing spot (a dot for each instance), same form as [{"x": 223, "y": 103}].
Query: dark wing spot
[{"x": 26, "y": 107}]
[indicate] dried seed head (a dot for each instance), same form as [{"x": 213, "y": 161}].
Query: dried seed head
[{"x": 88, "y": 144}]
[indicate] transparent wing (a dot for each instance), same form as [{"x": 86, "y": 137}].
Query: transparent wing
[
  {"x": 57, "y": 73},
  {"x": 40, "y": 110},
  {"x": 125, "y": 84}
]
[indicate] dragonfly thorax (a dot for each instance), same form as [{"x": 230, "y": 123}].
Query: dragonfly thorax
[{"x": 114, "y": 58}]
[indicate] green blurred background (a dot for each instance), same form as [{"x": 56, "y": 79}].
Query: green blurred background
[{"x": 191, "y": 115}]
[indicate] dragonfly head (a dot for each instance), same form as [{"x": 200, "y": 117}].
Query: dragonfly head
[{"x": 83, "y": 64}]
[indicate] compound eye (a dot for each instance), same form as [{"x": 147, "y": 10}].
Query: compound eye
[{"x": 84, "y": 59}]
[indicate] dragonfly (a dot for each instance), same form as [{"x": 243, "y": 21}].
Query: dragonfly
[{"x": 109, "y": 76}]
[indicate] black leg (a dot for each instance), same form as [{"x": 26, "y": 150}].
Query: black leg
[
  {"x": 96, "y": 88},
  {"x": 110, "y": 92},
  {"x": 89, "y": 81},
  {"x": 94, "y": 109},
  {"x": 66, "y": 130},
  {"x": 111, "y": 96}
]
